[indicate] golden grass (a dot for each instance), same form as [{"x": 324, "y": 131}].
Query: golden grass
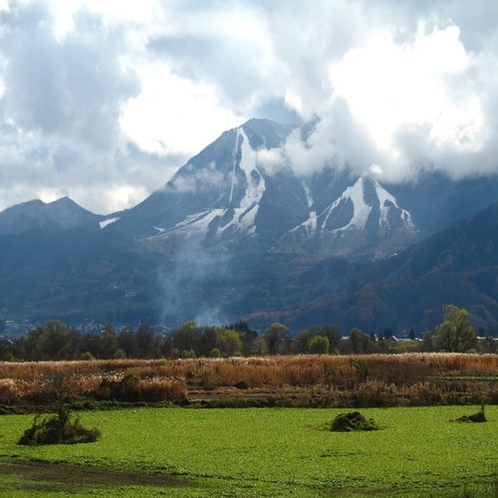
[{"x": 373, "y": 380}]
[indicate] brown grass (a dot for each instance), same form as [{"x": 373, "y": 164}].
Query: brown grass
[{"x": 305, "y": 380}]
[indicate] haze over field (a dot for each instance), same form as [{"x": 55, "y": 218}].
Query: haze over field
[{"x": 104, "y": 101}]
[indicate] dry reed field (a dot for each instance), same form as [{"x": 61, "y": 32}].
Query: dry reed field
[{"x": 414, "y": 379}]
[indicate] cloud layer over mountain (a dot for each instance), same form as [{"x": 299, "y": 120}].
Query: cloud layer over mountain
[{"x": 103, "y": 101}]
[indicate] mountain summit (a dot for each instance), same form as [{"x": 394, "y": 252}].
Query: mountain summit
[
  {"x": 241, "y": 191},
  {"x": 239, "y": 234},
  {"x": 62, "y": 214}
]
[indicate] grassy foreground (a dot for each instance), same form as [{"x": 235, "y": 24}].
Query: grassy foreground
[{"x": 258, "y": 452}]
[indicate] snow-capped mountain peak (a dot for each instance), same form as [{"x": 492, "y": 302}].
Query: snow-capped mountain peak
[
  {"x": 226, "y": 195},
  {"x": 368, "y": 198}
]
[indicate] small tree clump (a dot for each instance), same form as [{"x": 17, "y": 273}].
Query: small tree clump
[
  {"x": 59, "y": 427},
  {"x": 475, "y": 417},
  {"x": 54, "y": 429},
  {"x": 353, "y": 421}
]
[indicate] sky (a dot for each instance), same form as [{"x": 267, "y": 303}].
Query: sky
[{"x": 103, "y": 101}]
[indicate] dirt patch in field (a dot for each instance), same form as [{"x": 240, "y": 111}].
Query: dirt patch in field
[{"x": 54, "y": 477}]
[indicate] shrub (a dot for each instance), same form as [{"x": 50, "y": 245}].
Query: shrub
[
  {"x": 54, "y": 429},
  {"x": 362, "y": 369},
  {"x": 318, "y": 345},
  {"x": 475, "y": 417},
  {"x": 353, "y": 421}
]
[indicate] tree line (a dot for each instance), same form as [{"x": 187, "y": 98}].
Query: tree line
[{"x": 55, "y": 341}]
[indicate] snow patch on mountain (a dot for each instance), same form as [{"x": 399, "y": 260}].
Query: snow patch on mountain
[
  {"x": 240, "y": 217},
  {"x": 359, "y": 200},
  {"x": 238, "y": 214},
  {"x": 387, "y": 203},
  {"x": 255, "y": 181},
  {"x": 108, "y": 221},
  {"x": 197, "y": 223},
  {"x": 363, "y": 206},
  {"x": 249, "y": 204},
  {"x": 361, "y": 210}
]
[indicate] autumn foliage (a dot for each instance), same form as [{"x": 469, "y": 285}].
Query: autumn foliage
[{"x": 300, "y": 380}]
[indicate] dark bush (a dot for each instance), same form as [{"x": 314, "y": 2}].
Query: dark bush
[
  {"x": 52, "y": 429},
  {"x": 475, "y": 417},
  {"x": 353, "y": 421}
]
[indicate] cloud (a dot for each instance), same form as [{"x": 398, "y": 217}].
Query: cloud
[
  {"x": 165, "y": 117},
  {"x": 61, "y": 104},
  {"x": 104, "y": 101},
  {"x": 394, "y": 89},
  {"x": 73, "y": 88},
  {"x": 200, "y": 180},
  {"x": 402, "y": 97}
]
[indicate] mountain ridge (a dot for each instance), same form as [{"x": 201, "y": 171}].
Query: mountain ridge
[
  {"x": 62, "y": 213},
  {"x": 229, "y": 194},
  {"x": 233, "y": 236}
]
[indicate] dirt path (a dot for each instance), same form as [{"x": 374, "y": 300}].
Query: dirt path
[{"x": 54, "y": 477}]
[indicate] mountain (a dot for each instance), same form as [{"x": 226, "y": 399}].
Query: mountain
[
  {"x": 238, "y": 234},
  {"x": 364, "y": 217},
  {"x": 458, "y": 265},
  {"x": 436, "y": 201},
  {"x": 60, "y": 214},
  {"x": 235, "y": 196},
  {"x": 74, "y": 274}
]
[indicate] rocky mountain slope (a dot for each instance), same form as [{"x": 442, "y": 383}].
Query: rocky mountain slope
[
  {"x": 458, "y": 265},
  {"x": 63, "y": 213},
  {"x": 230, "y": 196},
  {"x": 238, "y": 234}
]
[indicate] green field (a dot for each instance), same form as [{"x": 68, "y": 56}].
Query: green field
[{"x": 258, "y": 452}]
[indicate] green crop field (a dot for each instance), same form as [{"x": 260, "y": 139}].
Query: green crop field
[{"x": 258, "y": 452}]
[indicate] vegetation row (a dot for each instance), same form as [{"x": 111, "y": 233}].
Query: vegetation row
[
  {"x": 54, "y": 341},
  {"x": 412, "y": 379}
]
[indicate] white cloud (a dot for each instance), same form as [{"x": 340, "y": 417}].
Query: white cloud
[
  {"x": 201, "y": 179},
  {"x": 271, "y": 160},
  {"x": 119, "y": 197},
  {"x": 389, "y": 86},
  {"x": 104, "y": 100},
  {"x": 174, "y": 114}
]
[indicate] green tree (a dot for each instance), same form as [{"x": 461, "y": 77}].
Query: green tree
[
  {"x": 32, "y": 345},
  {"x": 207, "y": 340},
  {"x": 187, "y": 337},
  {"x": 411, "y": 334},
  {"x": 109, "y": 341},
  {"x": 91, "y": 343},
  {"x": 147, "y": 342},
  {"x": 355, "y": 339},
  {"x": 301, "y": 341},
  {"x": 127, "y": 341},
  {"x": 455, "y": 333},
  {"x": 360, "y": 342},
  {"x": 319, "y": 345},
  {"x": 54, "y": 340},
  {"x": 228, "y": 341},
  {"x": 273, "y": 336},
  {"x": 334, "y": 334}
]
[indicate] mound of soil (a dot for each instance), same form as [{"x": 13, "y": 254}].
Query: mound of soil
[{"x": 353, "y": 421}]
